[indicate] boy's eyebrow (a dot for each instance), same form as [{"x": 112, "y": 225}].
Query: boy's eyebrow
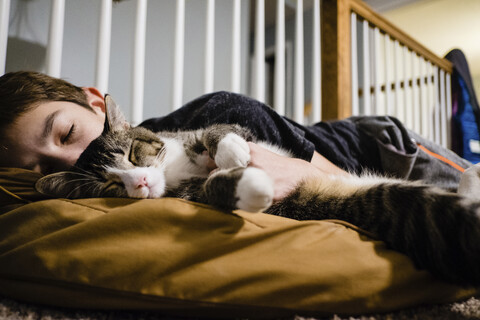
[{"x": 48, "y": 125}]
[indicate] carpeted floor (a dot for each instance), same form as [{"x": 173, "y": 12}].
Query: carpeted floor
[{"x": 9, "y": 309}]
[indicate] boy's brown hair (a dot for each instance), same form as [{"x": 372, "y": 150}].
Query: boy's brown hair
[{"x": 23, "y": 90}]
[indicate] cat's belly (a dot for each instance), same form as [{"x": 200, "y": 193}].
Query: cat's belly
[{"x": 174, "y": 177}]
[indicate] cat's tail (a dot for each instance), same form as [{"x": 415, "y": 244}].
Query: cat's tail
[{"x": 439, "y": 231}]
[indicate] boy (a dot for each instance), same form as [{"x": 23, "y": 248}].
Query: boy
[{"x": 46, "y": 123}]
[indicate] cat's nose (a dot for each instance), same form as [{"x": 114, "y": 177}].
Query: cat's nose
[{"x": 142, "y": 182}]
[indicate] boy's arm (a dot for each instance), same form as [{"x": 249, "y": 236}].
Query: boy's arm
[
  {"x": 285, "y": 172},
  {"x": 322, "y": 163},
  {"x": 230, "y": 108}
]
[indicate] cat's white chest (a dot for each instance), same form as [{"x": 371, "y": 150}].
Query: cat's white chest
[{"x": 178, "y": 166}]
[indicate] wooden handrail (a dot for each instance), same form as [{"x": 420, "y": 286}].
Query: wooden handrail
[
  {"x": 367, "y": 13},
  {"x": 336, "y": 52}
]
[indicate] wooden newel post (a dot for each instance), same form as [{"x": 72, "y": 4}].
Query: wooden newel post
[{"x": 336, "y": 59}]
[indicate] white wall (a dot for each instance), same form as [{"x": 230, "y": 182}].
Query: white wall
[
  {"x": 442, "y": 25},
  {"x": 28, "y": 36}
]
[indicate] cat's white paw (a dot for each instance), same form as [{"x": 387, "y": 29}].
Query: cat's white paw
[
  {"x": 470, "y": 182},
  {"x": 232, "y": 151},
  {"x": 254, "y": 190}
]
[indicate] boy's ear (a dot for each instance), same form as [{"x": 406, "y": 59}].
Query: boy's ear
[
  {"x": 114, "y": 118},
  {"x": 95, "y": 98}
]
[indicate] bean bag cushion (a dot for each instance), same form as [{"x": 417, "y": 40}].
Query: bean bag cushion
[{"x": 188, "y": 259}]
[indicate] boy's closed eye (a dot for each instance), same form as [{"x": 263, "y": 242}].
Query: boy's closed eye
[{"x": 68, "y": 134}]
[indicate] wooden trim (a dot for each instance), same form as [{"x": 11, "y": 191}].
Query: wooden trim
[
  {"x": 336, "y": 65},
  {"x": 329, "y": 41}
]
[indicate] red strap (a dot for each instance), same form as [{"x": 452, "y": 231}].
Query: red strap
[{"x": 441, "y": 158}]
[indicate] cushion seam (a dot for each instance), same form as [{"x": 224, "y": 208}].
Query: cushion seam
[{"x": 82, "y": 205}]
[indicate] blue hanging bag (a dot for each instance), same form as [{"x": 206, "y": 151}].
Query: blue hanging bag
[{"x": 465, "y": 109}]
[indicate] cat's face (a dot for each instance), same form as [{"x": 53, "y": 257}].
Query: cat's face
[{"x": 122, "y": 162}]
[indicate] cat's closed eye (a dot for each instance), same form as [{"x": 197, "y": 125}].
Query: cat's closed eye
[{"x": 144, "y": 153}]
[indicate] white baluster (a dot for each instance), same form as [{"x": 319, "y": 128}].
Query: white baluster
[
  {"x": 259, "y": 92},
  {"x": 366, "y": 69},
  {"x": 379, "y": 107},
  {"x": 316, "y": 65},
  {"x": 279, "y": 81},
  {"x": 138, "y": 72},
  {"x": 426, "y": 120},
  {"x": 443, "y": 110},
  {"x": 431, "y": 103},
  {"x": 103, "y": 47},
  {"x": 407, "y": 90},
  {"x": 4, "y": 16},
  {"x": 353, "y": 44},
  {"x": 397, "y": 89},
  {"x": 179, "y": 53},
  {"x": 388, "y": 77},
  {"x": 55, "y": 38},
  {"x": 417, "y": 114},
  {"x": 448, "y": 106},
  {"x": 298, "y": 93},
  {"x": 436, "y": 104},
  {"x": 236, "y": 37},
  {"x": 209, "y": 47}
]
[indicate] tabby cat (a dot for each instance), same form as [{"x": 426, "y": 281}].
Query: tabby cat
[{"x": 439, "y": 231}]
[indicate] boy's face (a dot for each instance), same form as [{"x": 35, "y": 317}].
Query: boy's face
[{"x": 51, "y": 137}]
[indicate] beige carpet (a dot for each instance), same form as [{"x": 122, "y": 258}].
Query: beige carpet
[{"x": 9, "y": 309}]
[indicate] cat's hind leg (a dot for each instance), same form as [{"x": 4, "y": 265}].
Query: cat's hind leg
[
  {"x": 248, "y": 189},
  {"x": 254, "y": 190}
]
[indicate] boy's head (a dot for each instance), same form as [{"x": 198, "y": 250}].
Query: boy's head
[
  {"x": 21, "y": 91},
  {"x": 45, "y": 122}
]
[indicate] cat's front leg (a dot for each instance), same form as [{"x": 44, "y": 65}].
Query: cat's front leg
[
  {"x": 232, "y": 151},
  {"x": 227, "y": 145},
  {"x": 248, "y": 189}
]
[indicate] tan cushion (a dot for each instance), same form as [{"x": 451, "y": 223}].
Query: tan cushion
[
  {"x": 189, "y": 259},
  {"x": 17, "y": 187}
]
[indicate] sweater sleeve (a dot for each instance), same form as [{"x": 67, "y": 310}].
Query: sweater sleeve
[{"x": 230, "y": 108}]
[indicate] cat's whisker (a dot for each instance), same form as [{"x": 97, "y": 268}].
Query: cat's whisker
[
  {"x": 87, "y": 184},
  {"x": 81, "y": 179},
  {"x": 161, "y": 155},
  {"x": 84, "y": 173},
  {"x": 80, "y": 169}
]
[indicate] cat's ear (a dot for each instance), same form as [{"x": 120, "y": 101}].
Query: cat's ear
[
  {"x": 58, "y": 185},
  {"x": 114, "y": 118}
]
